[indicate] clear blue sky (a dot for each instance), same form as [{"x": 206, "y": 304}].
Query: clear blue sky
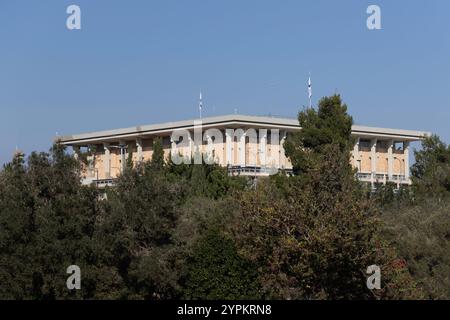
[{"x": 138, "y": 62}]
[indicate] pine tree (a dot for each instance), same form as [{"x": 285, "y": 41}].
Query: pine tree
[
  {"x": 431, "y": 171},
  {"x": 158, "y": 154},
  {"x": 329, "y": 125},
  {"x": 315, "y": 234}
]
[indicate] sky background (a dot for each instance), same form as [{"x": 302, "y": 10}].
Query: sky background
[{"x": 141, "y": 62}]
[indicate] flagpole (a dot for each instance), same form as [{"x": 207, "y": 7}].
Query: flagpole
[
  {"x": 309, "y": 90},
  {"x": 200, "y": 105}
]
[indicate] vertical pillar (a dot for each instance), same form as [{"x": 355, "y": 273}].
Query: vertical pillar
[
  {"x": 191, "y": 148},
  {"x": 139, "y": 148},
  {"x": 282, "y": 156},
  {"x": 91, "y": 162},
  {"x": 373, "y": 162},
  {"x": 123, "y": 159},
  {"x": 219, "y": 147},
  {"x": 356, "y": 154},
  {"x": 229, "y": 133},
  {"x": 262, "y": 147},
  {"x": 210, "y": 157},
  {"x": 406, "y": 157},
  {"x": 273, "y": 157},
  {"x": 390, "y": 159},
  {"x": 107, "y": 160},
  {"x": 242, "y": 146}
]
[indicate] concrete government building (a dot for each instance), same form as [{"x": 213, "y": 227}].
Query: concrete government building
[{"x": 380, "y": 155}]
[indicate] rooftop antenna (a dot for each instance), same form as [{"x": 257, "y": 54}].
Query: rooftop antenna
[
  {"x": 200, "y": 104},
  {"x": 235, "y": 111}
]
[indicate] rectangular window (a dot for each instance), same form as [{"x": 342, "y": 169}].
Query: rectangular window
[
  {"x": 382, "y": 146},
  {"x": 166, "y": 141},
  {"x": 398, "y": 146},
  {"x": 364, "y": 144}
]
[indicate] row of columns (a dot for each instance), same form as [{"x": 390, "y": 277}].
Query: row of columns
[
  {"x": 277, "y": 153},
  {"x": 227, "y": 155},
  {"x": 373, "y": 157},
  {"x": 123, "y": 155},
  {"x": 227, "y": 149},
  {"x": 261, "y": 148},
  {"x": 262, "y": 153}
]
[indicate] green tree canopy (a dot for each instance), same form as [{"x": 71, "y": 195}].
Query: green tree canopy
[
  {"x": 314, "y": 235},
  {"x": 431, "y": 171},
  {"x": 330, "y": 124},
  {"x": 158, "y": 154}
]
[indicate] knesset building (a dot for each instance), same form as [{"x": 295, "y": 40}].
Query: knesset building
[{"x": 247, "y": 145}]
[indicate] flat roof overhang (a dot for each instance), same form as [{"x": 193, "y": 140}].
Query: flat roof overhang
[
  {"x": 387, "y": 133},
  {"x": 228, "y": 121}
]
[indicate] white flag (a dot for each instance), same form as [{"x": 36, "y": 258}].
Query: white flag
[{"x": 309, "y": 88}]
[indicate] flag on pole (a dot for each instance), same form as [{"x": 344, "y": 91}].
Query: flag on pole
[
  {"x": 200, "y": 105},
  {"x": 309, "y": 90}
]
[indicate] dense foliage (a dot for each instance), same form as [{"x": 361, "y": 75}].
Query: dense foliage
[
  {"x": 170, "y": 231},
  {"x": 431, "y": 171},
  {"x": 417, "y": 220}
]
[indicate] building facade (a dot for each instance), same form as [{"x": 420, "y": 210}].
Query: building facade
[{"x": 247, "y": 145}]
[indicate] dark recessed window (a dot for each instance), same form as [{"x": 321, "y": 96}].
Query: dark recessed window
[
  {"x": 364, "y": 144},
  {"x": 382, "y": 146}
]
